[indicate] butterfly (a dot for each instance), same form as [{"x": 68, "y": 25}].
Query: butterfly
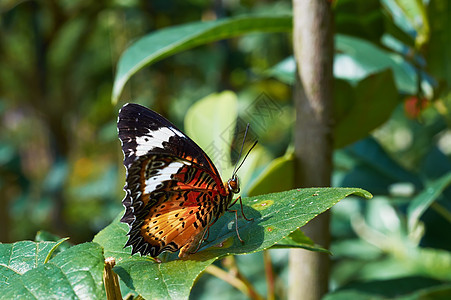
[{"x": 174, "y": 192}]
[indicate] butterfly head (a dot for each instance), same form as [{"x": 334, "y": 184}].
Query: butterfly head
[{"x": 233, "y": 184}]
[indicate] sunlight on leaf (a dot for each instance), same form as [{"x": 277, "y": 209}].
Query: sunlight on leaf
[
  {"x": 74, "y": 273},
  {"x": 275, "y": 216}
]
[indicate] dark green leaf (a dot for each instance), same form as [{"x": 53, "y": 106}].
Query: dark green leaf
[
  {"x": 375, "y": 99},
  {"x": 163, "y": 43},
  {"x": 439, "y": 47},
  {"x": 344, "y": 98},
  {"x": 363, "y": 19},
  {"x": 374, "y": 169},
  {"x": 401, "y": 288}
]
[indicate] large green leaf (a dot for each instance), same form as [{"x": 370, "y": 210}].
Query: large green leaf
[
  {"x": 218, "y": 113},
  {"x": 275, "y": 217},
  {"x": 375, "y": 98},
  {"x": 19, "y": 258},
  {"x": 163, "y": 43},
  {"x": 72, "y": 274}
]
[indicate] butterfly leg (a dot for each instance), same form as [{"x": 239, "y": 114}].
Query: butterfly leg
[
  {"x": 207, "y": 230},
  {"x": 236, "y": 223},
  {"x": 208, "y": 234},
  {"x": 242, "y": 211}
]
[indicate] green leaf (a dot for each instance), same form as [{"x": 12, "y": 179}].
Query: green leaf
[
  {"x": 364, "y": 19},
  {"x": 209, "y": 113},
  {"x": 360, "y": 109},
  {"x": 284, "y": 70},
  {"x": 297, "y": 239},
  {"x": 276, "y": 177},
  {"x": 399, "y": 288},
  {"x": 415, "y": 11},
  {"x": 23, "y": 256},
  {"x": 275, "y": 217},
  {"x": 218, "y": 113},
  {"x": 74, "y": 273},
  {"x": 431, "y": 262},
  {"x": 375, "y": 98},
  {"x": 113, "y": 238},
  {"x": 356, "y": 59},
  {"x": 439, "y": 45},
  {"x": 163, "y": 43},
  {"x": 45, "y": 236},
  {"x": 427, "y": 196},
  {"x": 392, "y": 29},
  {"x": 374, "y": 169},
  {"x": 171, "y": 280}
]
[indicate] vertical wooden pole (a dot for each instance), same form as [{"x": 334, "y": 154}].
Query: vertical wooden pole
[{"x": 313, "y": 50}]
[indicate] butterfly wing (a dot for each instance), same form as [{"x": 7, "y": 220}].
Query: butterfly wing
[{"x": 173, "y": 190}]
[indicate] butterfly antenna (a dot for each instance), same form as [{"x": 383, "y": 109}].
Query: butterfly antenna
[
  {"x": 235, "y": 170},
  {"x": 255, "y": 143}
]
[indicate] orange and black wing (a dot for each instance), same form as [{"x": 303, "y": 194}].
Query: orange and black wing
[{"x": 173, "y": 190}]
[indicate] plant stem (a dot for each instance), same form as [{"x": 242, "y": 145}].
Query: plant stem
[
  {"x": 441, "y": 210},
  {"x": 234, "y": 280},
  {"x": 269, "y": 275},
  {"x": 111, "y": 281}
]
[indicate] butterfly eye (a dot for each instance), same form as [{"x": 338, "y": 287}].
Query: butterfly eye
[{"x": 234, "y": 185}]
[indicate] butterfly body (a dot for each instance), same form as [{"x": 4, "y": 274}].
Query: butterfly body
[{"x": 174, "y": 193}]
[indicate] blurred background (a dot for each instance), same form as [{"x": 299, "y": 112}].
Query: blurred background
[
  {"x": 61, "y": 163},
  {"x": 60, "y": 160}
]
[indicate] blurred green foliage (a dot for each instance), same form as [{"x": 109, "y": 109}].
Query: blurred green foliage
[{"x": 60, "y": 160}]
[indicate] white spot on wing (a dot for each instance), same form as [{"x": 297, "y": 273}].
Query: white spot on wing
[
  {"x": 155, "y": 139},
  {"x": 163, "y": 175}
]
